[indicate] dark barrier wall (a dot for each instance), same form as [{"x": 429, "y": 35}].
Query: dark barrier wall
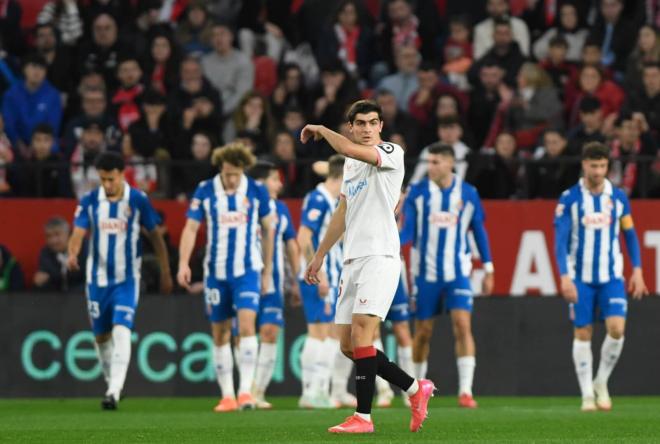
[{"x": 524, "y": 348}]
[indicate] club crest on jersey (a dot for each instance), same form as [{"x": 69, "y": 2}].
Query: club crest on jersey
[
  {"x": 597, "y": 221},
  {"x": 443, "y": 219},
  {"x": 112, "y": 226}
]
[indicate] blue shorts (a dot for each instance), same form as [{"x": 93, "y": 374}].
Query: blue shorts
[
  {"x": 112, "y": 305},
  {"x": 399, "y": 310},
  {"x": 224, "y": 298},
  {"x": 434, "y": 298},
  {"x": 271, "y": 309},
  {"x": 609, "y": 298},
  {"x": 314, "y": 306}
]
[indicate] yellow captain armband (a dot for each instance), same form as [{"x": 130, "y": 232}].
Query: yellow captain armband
[{"x": 627, "y": 222}]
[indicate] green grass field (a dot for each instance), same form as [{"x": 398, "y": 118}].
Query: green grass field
[{"x": 184, "y": 420}]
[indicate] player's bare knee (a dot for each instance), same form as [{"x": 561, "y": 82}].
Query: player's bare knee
[
  {"x": 102, "y": 338},
  {"x": 423, "y": 333},
  {"x": 615, "y": 331},
  {"x": 268, "y": 333},
  {"x": 583, "y": 333}
]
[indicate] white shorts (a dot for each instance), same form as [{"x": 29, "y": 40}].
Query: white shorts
[{"x": 368, "y": 285}]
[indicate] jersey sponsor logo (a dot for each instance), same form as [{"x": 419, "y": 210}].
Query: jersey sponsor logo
[
  {"x": 353, "y": 189},
  {"x": 313, "y": 214},
  {"x": 388, "y": 148},
  {"x": 443, "y": 219},
  {"x": 363, "y": 301},
  {"x": 596, "y": 221},
  {"x": 233, "y": 219},
  {"x": 112, "y": 226}
]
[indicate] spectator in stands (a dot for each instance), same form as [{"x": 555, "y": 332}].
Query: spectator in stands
[
  {"x": 348, "y": 39},
  {"x": 449, "y": 132},
  {"x": 290, "y": 92},
  {"x": 52, "y": 273},
  {"x": 647, "y": 100},
  {"x": 646, "y": 51},
  {"x": 591, "y": 82},
  {"x": 126, "y": 98},
  {"x": 230, "y": 71},
  {"x": 94, "y": 107},
  {"x": 399, "y": 127},
  {"x": 423, "y": 101},
  {"x": 161, "y": 69},
  {"x": 560, "y": 71},
  {"x": 284, "y": 157},
  {"x": 11, "y": 274},
  {"x": 484, "y": 32},
  {"x": 401, "y": 28},
  {"x": 614, "y": 33},
  {"x": 553, "y": 169},
  {"x": 154, "y": 131},
  {"x": 252, "y": 115},
  {"x": 10, "y": 27},
  {"x": 632, "y": 140},
  {"x": 29, "y": 103},
  {"x": 496, "y": 175},
  {"x": 336, "y": 92},
  {"x": 446, "y": 105},
  {"x": 191, "y": 173},
  {"x": 590, "y": 128},
  {"x": 194, "y": 33},
  {"x": 534, "y": 106},
  {"x": 103, "y": 51},
  {"x": 457, "y": 52},
  {"x": 6, "y": 162},
  {"x": 404, "y": 82},
  {"x": 568, "y": 27},
  {"x": 140, "y": 171},
  {"x": 484, "y": 100},
  {"x": 57, "y": 57},
  {"x": 46, "y": 174},
  {"x": 84, "y": 177},
  {"x": 196, "y": 105},
  {"x": 504, "y": 52},
  {"x": 65, "y": 15}
]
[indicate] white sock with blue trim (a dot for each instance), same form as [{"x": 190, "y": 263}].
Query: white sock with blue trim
[{"x": 121, "y": 356}]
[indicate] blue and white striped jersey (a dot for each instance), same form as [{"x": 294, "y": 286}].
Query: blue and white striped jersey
[
  {"x": 115, "y": 253},
  {"x": 318, "y": 207},
  {"x": 233, "y": 240},
  {"x": 593, "y": 226},
  {"x": 437, "y": 222},
  {"x": 284, "y": 231}
]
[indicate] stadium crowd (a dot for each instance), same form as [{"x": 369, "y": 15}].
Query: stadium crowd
[{"x": 516, "y": 87}]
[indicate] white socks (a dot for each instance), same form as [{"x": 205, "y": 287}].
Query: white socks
[
  {"x": 420, "y": 369},
  {"x": 341, "y": 371},
  {"x": 404, "y": 356},
  {"x": 247, "y": 362},
  {"x": 265, "y": 366},
  {"x": 308, "y": 357},
  {"x": 413, "y": 388},
  {"x": 381, "y": 384},
  {"x": 609, "y": 355},
  {"x": 583, "y": 359},
  {"x": 466, "y": 365},
  {"x": 223, "y": 361},
  {"x": 104, "y": 353},
  {"x": 121, "y": 356},
  {"x": 326, "y": 364}
]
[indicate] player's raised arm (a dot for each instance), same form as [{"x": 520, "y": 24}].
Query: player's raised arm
[
  {"x": 340, "y": 143},
  {"x": 334, "y": 232},
  {"x": 636, "y": 286}
]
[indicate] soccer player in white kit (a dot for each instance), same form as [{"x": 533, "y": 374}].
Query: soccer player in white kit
[{"x": 373, "y": 175}]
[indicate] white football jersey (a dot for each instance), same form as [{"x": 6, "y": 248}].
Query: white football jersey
[{"x": 372, "y": 193}]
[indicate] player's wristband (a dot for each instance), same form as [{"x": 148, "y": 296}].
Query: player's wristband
[{"x": 489, "y": 267}]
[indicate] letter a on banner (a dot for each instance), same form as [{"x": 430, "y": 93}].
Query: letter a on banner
[{"x": 533, "y": 268}]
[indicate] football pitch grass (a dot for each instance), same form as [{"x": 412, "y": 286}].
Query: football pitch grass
[{"x": 185, "y": 420}]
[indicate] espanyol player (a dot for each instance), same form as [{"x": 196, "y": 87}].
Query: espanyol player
[
  {"x": 588, "y": 221},
  {"x": 113, "y": 215}
]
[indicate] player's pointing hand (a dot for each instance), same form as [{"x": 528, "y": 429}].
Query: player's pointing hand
[{"x": 311, "y": 131}]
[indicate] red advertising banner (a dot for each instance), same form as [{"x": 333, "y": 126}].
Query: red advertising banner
[{"x": 520, "y": 233}]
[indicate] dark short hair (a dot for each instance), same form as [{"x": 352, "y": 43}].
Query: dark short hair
[
  {"x": 590, "y": 104},
  {"x": 56, "y": 222},
  {"x": 336, "y": 166},
  {"x": 109, "y": 161},
  {"x": 43, "y": 128},
  {"x": 35, "y": 59},
  {"x": 363, "y": 107},
  {"x": 262, "y": 169},
  {"x": 442, "y": 149},
  {"x": 449, "y": 120},
  {"x": 502, "y": 20},
  {"x": 623, "y": 117},
  {"x": 559, "y": 40},
  {"x": 595, "y": 151}
]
